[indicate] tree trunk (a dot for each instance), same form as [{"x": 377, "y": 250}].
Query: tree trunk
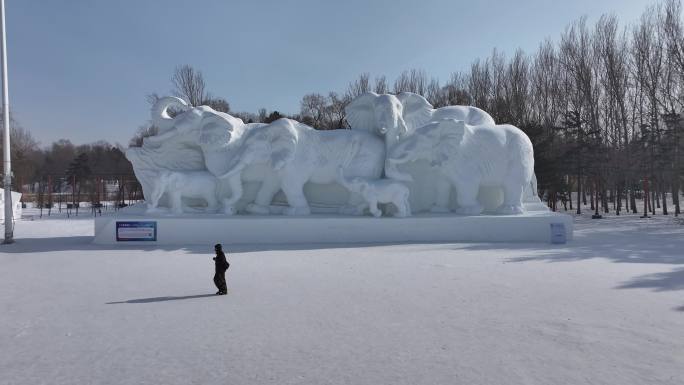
[
  {"x": 632, "y": 199},
  {"x": 626, "y": 191},
  {"x": 646, "y": 199},
  {"x": 675, "y": 197},
  {"x": 662, "y": 189},
  {"x": 579, "y": 194}
]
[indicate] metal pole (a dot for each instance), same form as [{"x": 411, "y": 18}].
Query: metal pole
[{"x": 9, "y": 220}]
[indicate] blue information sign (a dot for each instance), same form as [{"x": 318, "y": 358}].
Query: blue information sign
[
  {"x": 557, "y": 233},
  {"x": 136, "y": 231}
]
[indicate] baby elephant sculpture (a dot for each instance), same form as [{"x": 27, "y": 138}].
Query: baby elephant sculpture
[
  {"x": 378, "y": 191},
  {"x": 184, "y": 184}
]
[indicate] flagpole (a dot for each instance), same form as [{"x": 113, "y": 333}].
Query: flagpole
[{"x": 9, "y": 220}]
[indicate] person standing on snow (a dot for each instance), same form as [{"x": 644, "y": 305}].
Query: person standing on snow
[{"x": 221, "y": 265}]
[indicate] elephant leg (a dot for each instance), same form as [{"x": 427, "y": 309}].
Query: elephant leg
[
  {"x": 294, "y": 191},
  {"x": 513, "y": 194},
  {"x": 269, "y": 188},
  {"x": 212, "y": 202},
  {"x": 404, "y": 210},
  {"x": 235, "y": 184},
  {"x": 466, "y": 196},
  {"x": 176, "y": 203},
  {"x": 443, "y": 188},
  {"x": 373, "y": 207},
  {"x": 154, "y": 199}
]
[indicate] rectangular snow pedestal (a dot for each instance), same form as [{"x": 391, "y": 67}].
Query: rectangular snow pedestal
[{"x": 318, "y": 228}]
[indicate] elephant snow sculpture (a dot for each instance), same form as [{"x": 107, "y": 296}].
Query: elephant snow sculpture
[
  {"x": 164, "y": 151},
  {"x": 283, "y": 155},
  {"x": 378, "y": 191},
  {"x": 469, "y": 157},
  {"x": 396, "y": 116},
  {"x": 185, "y": 184},
  {"x": 298, "y": 154},
  {"x": 203, "y": 139}
]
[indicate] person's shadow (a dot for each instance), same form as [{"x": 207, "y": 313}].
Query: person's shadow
[{"x": 161, "y": 299}]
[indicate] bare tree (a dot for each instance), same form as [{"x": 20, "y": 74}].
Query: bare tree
[
  {"x": 437, "y": 96},
  {"x": 480, "y": 84},
  {"x": 314, "y": 106},
  {"x": 456, "y": 90},
  {"x": 188, "y": 84},
  {"x": 336, "y": 114},
  {"x": 414, "y": 80},
  {"x": 359, "y": 86},
  {"x": 380, "y": 85}
]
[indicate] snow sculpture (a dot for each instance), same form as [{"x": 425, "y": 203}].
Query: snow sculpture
[
  {"x": 378, "y": 191},
  {"x": 395, "y": 117},
  {"x": 288, "y": 167},
  {"x": 283, "y": 155},
  {"x": 470, "y": 157},
  {"x": 188, "y": 184},
  {"x": 298, "y": 154},
  {"x": 16, "y": 205}
]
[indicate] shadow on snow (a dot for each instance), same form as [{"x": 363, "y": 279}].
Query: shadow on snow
[{"x": 162, "y": 299}]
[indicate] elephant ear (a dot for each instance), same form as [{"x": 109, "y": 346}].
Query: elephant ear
[
  {"x": 217, "y": 128},
  {"x": 360, "y": 113},
  {"x": 448, "y": 137},
  {"x": 283, "y": 139},
  {"x": 417, "y": 110}
]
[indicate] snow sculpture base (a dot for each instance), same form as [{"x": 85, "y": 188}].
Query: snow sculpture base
[{"x": 320, "y": 228}]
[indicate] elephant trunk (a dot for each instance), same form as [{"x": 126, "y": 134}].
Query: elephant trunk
[
  {"x": 234, "y": 170},
  {"x": 160, "y": 112},
  {"x": 234, "y": 176},
  {"x": 392, "y": 127}
]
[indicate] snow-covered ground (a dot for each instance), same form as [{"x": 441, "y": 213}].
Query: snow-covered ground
[{"x": 607, "y": 308}]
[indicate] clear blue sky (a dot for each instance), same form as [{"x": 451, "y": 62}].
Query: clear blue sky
[{"x": 80, "y": 69}]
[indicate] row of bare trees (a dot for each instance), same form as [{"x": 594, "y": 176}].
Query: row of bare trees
[{"x": 66, "y": 173}]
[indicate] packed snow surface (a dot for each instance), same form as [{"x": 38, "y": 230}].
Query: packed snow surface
[{"x": 607, "y": 308}]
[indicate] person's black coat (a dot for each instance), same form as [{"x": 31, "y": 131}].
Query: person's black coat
[{"x": 221, "y": 263}]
